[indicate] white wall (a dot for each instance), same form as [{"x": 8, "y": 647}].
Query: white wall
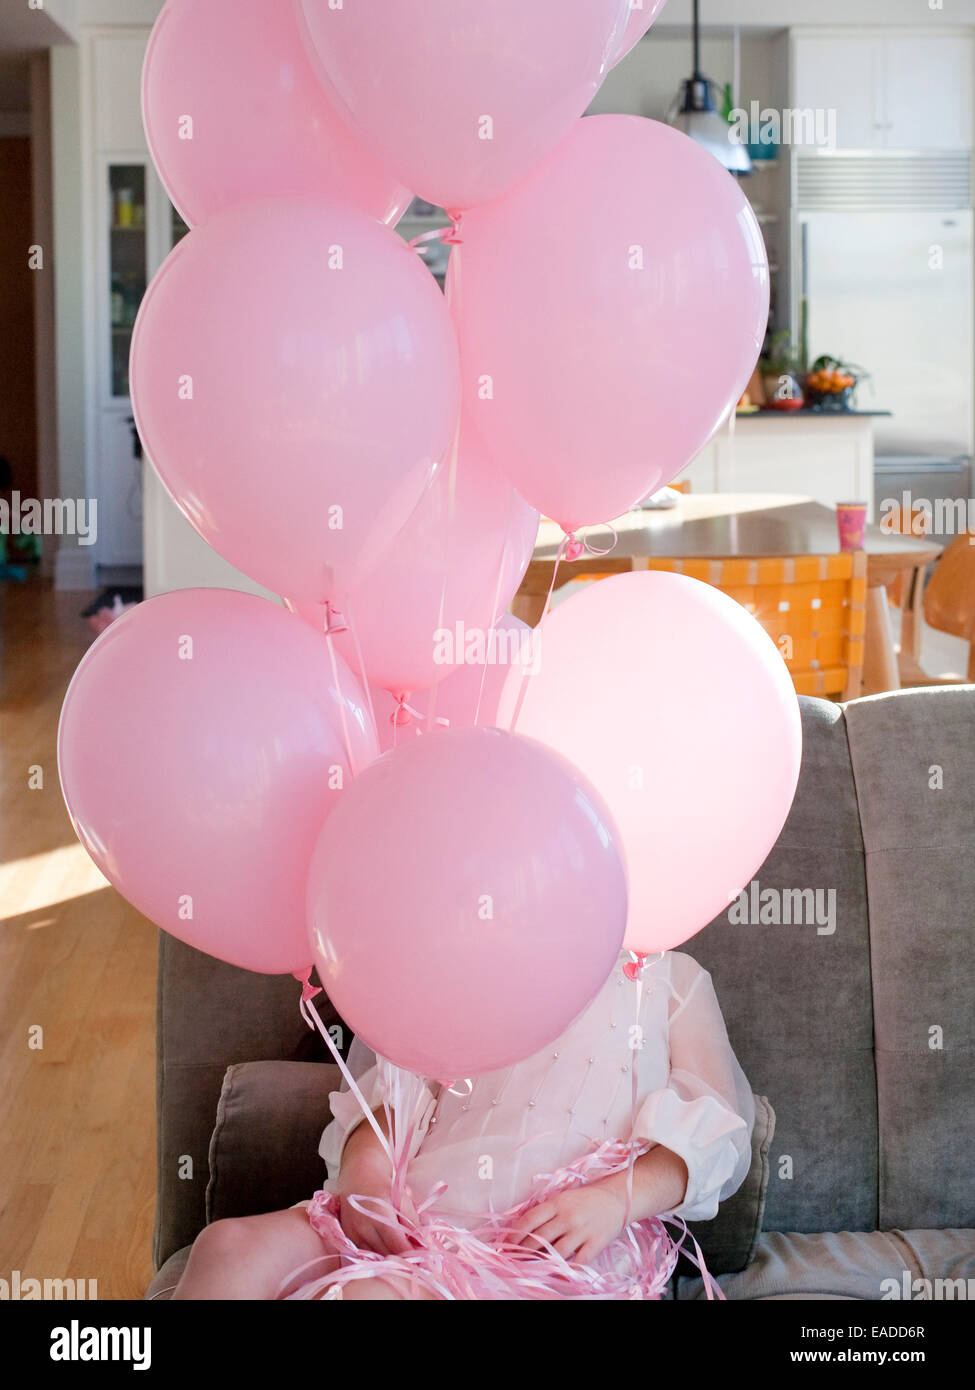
[
  {"x": 649, "y": 78},
  {"x": 74, "y": 568},
  {"x": 65, "y": 15},
  {"x": 123, "y": 11},
  {"x": 45, "y": 330}
]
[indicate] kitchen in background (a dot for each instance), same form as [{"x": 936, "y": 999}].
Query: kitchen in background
[
  {"x": 870, "y": 243},
  {"x": 883, "y": 246},
  {"x": 897, "y": 78}
]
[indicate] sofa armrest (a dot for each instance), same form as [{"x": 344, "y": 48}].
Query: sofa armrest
[
  {"x": 264, "y": 1146},
  {"x": 729, "y": 1242}
]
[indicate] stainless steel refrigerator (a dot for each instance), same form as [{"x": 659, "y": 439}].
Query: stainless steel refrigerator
[{"x": 882, "y": 251}]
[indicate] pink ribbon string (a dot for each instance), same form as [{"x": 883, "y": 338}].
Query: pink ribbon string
[
  {"x": 495, "y": 604},
  {"x": 313, "y": 1019},
  {"x": 487, "y": 1261},
  {"x": 404, "y": 714},
  {"x": 418, "y": 242},
  {"x": 340, "y": 696},
  {"x": 448, "y": 538},
  {"x": 452, "y": 1263},
  {"x": 362, "y": 668},
  {"x": 334, "y": 621},
  {"x": 634, "y": 970},
  {"x": 449, "y": 236},
  {"x": 526, "y": 676},
  {"x": 576, "y": 546}
]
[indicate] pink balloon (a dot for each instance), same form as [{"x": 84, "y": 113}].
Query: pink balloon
[
  {"x": 261, "y": 122},
  {"x": 471, "y": 696},
  {"x": 460, "y": 98},
  {"x": 200, "y": 750},
  {"x": 642, "y": 15},
  {"x": 440, "y": 583},
  {"x": 610, "y": 313},
  {"x": 676, "y": 704},
  {"x": 466, "y": 902},
  {"x": 295, "y": 380}
]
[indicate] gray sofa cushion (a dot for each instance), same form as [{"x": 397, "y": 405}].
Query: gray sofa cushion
[
  {"x": 914, "y": 764},
  {"x": 166, "y": 1278},
  {"x": 208, "y": 1016},
  {"x": 798, "y": 1002},
  {"x": 264, "y": 1148},
  {"x": 871, "y": 1265}
]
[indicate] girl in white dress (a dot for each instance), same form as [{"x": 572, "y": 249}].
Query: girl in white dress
[{"x": 556, "y": 1168}]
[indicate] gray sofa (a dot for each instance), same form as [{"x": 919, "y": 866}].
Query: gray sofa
[{"x": 854, "y": 1021}]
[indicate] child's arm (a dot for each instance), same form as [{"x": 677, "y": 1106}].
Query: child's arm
[
  {"x": 365, "y": 1172},
  {"x": 581, "y": 1222}
]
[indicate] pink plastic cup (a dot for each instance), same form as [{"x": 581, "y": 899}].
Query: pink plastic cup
[{"x": 851, "y": 521}]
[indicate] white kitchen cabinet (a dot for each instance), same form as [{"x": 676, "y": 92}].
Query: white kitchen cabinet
[
  {"x": 842, "y": 75},
  {"x": 929, "y": 93},
  {"x": 889, "y": 90},
  {"x": 826, "y": 457}
]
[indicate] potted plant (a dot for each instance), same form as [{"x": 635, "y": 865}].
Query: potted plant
[{"x": 780, "y": 369}]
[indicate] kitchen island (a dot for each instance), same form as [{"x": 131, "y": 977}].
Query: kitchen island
[{"x": 826, "y": 455}]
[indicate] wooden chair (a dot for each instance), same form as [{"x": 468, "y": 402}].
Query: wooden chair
[
  {"x": 812, "y": 606},
  {"x": 905, "y": 524},
  {"x": 948, "y": 606}
]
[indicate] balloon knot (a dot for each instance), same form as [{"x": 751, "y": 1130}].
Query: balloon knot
[
  {"x": 636, "y": 966},
  {"x": 308, "y": 990},
  {"x": 403, "y": 714},
  {"x": 574, "y": 547},
  {"x": 453, "y": 236},
  {"x": 334, "y": 621}
]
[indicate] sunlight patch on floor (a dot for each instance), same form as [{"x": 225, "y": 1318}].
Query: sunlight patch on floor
[{"x": 43, "y": 880}]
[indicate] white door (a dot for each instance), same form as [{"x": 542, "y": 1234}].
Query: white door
[
  {"x": 892, "y": 292},
  {"x": 119, "y": 491}
]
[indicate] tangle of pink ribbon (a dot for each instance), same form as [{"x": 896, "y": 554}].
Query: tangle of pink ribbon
[
  {"x": 484, "y": 1263},
  {"x": 451, "y": 1263}
]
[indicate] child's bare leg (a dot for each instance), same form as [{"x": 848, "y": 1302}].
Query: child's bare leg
[
  {"x": 385, "y": 1289},
  {"x": 247, "y": 1257}
]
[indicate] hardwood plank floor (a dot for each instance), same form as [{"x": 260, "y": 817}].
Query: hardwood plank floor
[{"x": 77, "y": 1115}]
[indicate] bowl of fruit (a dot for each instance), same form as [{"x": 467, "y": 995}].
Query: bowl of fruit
[{"x": 831, "y": 384}]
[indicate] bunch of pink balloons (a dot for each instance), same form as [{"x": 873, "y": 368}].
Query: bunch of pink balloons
[{"x": 389, "y": 776}]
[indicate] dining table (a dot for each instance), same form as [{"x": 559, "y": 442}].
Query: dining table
[{"x": 744, "y": 525}]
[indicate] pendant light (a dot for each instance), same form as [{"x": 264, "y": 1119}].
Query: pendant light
[{"x": 694, "y": 113}]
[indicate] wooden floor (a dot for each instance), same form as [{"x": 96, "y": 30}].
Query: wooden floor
[{"x": 77, "y": 1115}]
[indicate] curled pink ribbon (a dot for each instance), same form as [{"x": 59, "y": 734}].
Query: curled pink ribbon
[
  {"x": 485, "y": 1263},
  {"x": 488, "y": 1262},
  {"x": 574, "y": 547},
  {"x": 449, "y": 236},
  {"x": 404, "y": 715}
]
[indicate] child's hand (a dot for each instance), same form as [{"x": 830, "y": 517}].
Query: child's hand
[
  {"x": 578, "y": 1223},
  {"x": 368, "y": 1177}
]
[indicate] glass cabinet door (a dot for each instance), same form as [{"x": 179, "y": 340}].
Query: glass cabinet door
[{"x": 128, "y": 263}]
